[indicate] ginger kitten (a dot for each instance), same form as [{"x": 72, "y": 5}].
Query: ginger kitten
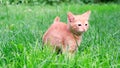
[{"x": 67, "y": 37}]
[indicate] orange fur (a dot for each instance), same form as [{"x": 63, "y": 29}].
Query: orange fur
[{"x": 67, "y": 37}]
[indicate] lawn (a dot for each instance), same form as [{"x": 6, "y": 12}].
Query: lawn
[{"x": 22, "y": 28}]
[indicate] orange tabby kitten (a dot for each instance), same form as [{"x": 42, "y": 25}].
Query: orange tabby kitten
[{"x": 67, "y": 37}]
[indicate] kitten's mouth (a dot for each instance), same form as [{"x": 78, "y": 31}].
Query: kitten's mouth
[
  {"x": 78, "y": 33},
  {"x": 81, "y": 31}
]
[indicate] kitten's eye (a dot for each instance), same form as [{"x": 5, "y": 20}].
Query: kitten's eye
[
  {"x": 85, "y": 24},
  {"x": 79, "y": 25}
]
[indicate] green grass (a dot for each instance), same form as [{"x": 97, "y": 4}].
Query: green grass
[{"x": 22, "y": 28}]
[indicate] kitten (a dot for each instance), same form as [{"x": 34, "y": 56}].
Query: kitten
[{"x": 67, "y": 37}]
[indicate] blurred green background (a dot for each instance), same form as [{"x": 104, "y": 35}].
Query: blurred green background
[{"x": 54, "y": 2}]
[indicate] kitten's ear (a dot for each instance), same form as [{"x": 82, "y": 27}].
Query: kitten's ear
[
  {"x": 57, "y": 19},
  {"x": 71, "y": 17},
  {"x": 86, "y": 15}
]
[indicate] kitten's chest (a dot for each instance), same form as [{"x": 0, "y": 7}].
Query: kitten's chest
[{"x": 78, "y": 40}]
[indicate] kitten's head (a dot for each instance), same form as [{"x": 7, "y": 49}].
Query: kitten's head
[{"x": 78, "y": 23}]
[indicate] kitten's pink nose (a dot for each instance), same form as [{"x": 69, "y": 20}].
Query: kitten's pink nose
[{"x": 83, "y": 29}]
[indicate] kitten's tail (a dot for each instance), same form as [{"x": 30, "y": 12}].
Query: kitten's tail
[{"x": 57, "y": 19}]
